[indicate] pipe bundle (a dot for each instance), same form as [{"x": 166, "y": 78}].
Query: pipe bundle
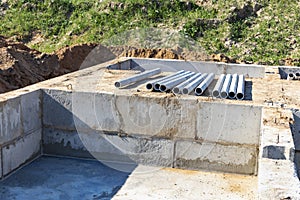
[
  {"x": 294, "y": 76},
  {"x": 186, "y": 82},
  {"x": 230, "y": 86},
  {"x": 182, "y": 82}
]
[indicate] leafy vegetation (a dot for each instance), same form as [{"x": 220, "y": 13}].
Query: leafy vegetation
[{"x": 264, "y": 31}]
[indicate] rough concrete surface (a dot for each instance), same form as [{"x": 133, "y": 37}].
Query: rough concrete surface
[
  {"x": 21, "y": 151},
  {"x": 216, "y": 157},
  {"x": 166, "y": 183},
  {"x": 62, "y": 178},
  {"x": 11, "y": 120}
]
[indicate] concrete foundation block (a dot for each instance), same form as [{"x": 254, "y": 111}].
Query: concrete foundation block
[
  {"x": 254, "y": 71},
  {"x": 10, "y": 120},
  {"x": 240, "y": 124},
  {"x": 95, "y": 111},
  {"x": 21, "y": 151},
  {"x": 57, "y": 109},
  {"x": 215, "y": 157},
  {"x": 31, "y": 111},
  {"x": 137, "y": 150},
  {"x": 157, "y": 117},
  {"x": 109, "y": 148},
  {"x": 65, "y": 143}
]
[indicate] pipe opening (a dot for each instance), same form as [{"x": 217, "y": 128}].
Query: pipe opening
[
  {"x": 117, "y": 84},
  {"x": 176, "y": 90},
  {"x": 216, "y": 93},
  {"x": 231, "y": 95},
  {"x": 185, "y": 91},
  {"x": 163, "y": 88},
  {"x": 156, "y": 86},
  {"x": 291, "y": 75},
  {"x": 149, "y": 86},
  {"x": 224, "y": 95},
  {"x": 298, "y": 74},
  {"x": 198, "y": 91},
  {"x": 240, "y": 96}
]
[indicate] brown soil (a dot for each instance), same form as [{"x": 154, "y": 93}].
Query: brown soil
[{"x": 21, "y": 66}]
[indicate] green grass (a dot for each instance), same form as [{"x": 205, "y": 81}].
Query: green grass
[{"x": 267, "y": 37}]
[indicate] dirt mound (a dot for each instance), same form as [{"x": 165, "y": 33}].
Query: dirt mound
[{"x": 21, "y": 66}]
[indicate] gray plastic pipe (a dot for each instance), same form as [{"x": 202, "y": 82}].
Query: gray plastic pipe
[
  {"x": 191, "y": 86},
  {"x": 217, "y": 89},
  {"x": 240, "y": 94},
  {"x": 291, "y": 76},
  {"x": 233, "y": 86},
  {"x": 178, "y": 89},
  {"x": 226, "y": 86},
  {"x": 150, "y": 84},
  {"x": 172, "y": 83},
  {"x": 157, "y": 84},
  {"x": 138, "y": 77},
  {"x": 204, "y": 85}
]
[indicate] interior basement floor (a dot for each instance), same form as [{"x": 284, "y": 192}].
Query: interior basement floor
[{"x": 49, "y": 178}]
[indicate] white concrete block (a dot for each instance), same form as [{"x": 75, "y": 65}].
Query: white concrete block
[
  {"x": 31, "y": 111},
  {"x": 116, "y": 149},
  {"x": 95, "y": 111},
  {"x": 229, "y": 123},
  {"x": 10, "y": 120},
  {"x": 157, "y": 117},
  {"x": 216, "y": 157},
  {"x": 254, "y": 71},
  {"x": 21, "y": 151},
  {"x": 57, "y": 109}
]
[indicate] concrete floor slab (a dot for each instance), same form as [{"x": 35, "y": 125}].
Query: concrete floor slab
[
  {"x": 166, "y": 183},
  {"x": 61, "y": 178}
]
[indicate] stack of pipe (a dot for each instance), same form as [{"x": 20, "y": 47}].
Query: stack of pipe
[
  {"x": 230, "y": 86},
  {"x": 186, "y": 82},
  {"x": 293, "y": 76},
  {"x": 182, "y": 82}
]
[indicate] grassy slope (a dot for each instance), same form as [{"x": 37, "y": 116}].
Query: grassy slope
[{"x": 268, "y": 36}]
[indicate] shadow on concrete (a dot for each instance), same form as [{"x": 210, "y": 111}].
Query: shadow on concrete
[
  {"x": 274, "y": 152},
  {"x": 63, "y": 178},
  {"x": 61, "y": 138},
  {"x": 248, "y": 90},
  {"x": 61, "y": 135},
  {"x": 295, "y": 128}
]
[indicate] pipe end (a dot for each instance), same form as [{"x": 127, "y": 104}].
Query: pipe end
[
  {"x": 216, "y": 93},
  {"x": 231, "y": 95},
  {"x": 149, "y": 86},
  {"x": 224, "y": 95},
  {"x": 198, "y": 91},
  {"x": 117, "y": 84},
  {"x": 156, "y": 86},
  {"x": 176, "y": 90},
  {"x": 163, "y": 88},
  {"x": 185, "y": 91},
  {"x": 240, "y": 96}
]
